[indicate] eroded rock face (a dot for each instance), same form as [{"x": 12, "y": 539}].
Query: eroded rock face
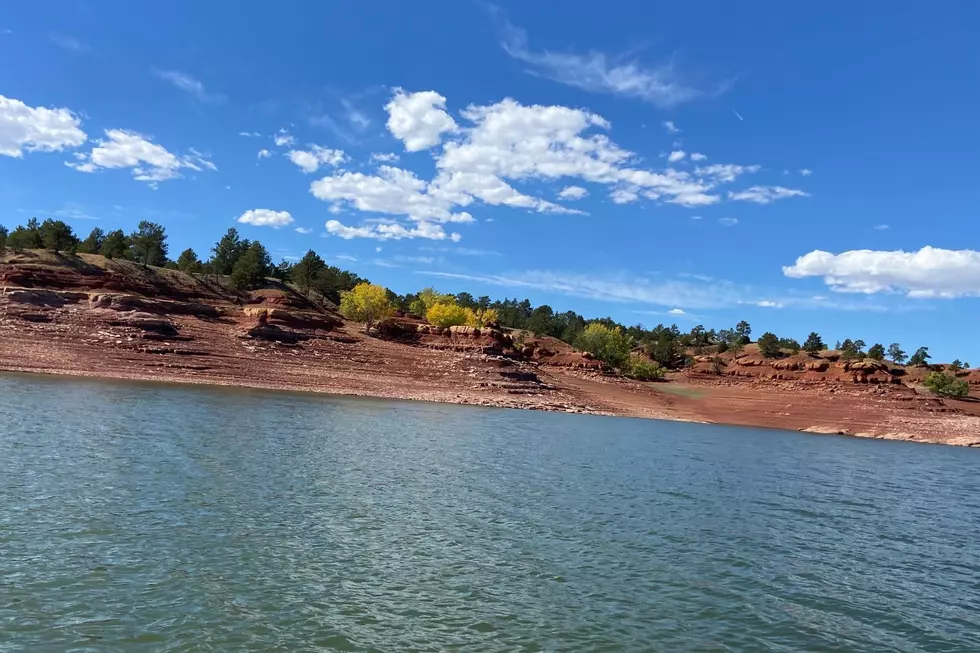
[
  {"x": 294, "y": 319},
  {"x": 145, "y": 322},
  {"x": 43, "y": 298},
  {"x": 121, "y": 302},
  {"x": 262, "y": 330}
]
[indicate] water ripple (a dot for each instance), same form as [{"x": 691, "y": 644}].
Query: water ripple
[{"x": 155, "y": 518}]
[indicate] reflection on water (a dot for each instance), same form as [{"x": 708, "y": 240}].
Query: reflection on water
[{"x": 158, "y": 518}]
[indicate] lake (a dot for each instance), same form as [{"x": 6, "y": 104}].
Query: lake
[{"x": 142, "y": 517}]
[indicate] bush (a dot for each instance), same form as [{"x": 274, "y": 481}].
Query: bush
[
  {"x": 366, "y": 302},
  {"x": 945, "y": 385},
  {"x": 641, "y": 368},
  {"x": 769, "y": 345},
  {"x": 608, "y": 344},
  {"x": 445, "y": 314},
  {"x": 481, "y": 318}
]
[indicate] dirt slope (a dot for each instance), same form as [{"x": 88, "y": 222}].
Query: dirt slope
[{"x": 89, "y": 316}]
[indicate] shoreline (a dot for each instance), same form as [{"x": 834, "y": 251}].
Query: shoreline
[{"x": 181, "y": 381}]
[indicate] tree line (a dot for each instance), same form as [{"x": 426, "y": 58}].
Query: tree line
[{"x": 248, "y": 265}]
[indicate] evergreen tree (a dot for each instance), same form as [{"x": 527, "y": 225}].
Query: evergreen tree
[
  {"x": 227, "y": 251},
  {"x": 115, "y": 245},
  {"x": 813, "y": 343},
  {"x": 877, "y": 351},
  {"x": 149, "y": 243},
  {"x": 28, "y": 237},
  {"x": 93, "y": 242},
  {"x": 956, "y": 365},
  {"x": 251, "y": 268},
  {"x": 769, "y": 345},
  {"x": 307, "y": 269},
  {"x": 920, "y": 356},
  {"x": 744, "y": 332},
  {"x": 3, "y": 238},
  {"x": 189, "y": 262},
  {"x": 58, "y": 236},
  {"x": 896, "y": 353}
]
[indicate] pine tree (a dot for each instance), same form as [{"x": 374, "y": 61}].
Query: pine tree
[{"x": 813, "y": 343}]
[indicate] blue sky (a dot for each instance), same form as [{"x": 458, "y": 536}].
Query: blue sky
[{"x": 804, "y": 168}]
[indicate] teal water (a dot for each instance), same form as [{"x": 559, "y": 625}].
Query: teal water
[{"x": 158, "y": 518}]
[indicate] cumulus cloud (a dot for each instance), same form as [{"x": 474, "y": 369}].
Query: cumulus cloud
[
  {"x": 697, "y": 156},
  {"x": 390, "y": 231},
  {"x": 189, "y": 85},
  {"x": 806, "y": 172},
  {"x": 384, "y": 157},
  {"x": 928, "y": 273},
  {"x": 677, "y": 311},
  {"x": 662, "y": 85},
  {"x": 303, "y": 230},
  {"x": 37, "y": 129},
  {"x": 266, "y": 218},
  {"x": 418, "y": 119},
  {"x": 766, "y": 194},
  {"x": 309, "y": 161},
  {"x": 264, "y": 153},
  {"x": 572, "y": 193},
  {"x": 148, "y": 161},
  {"x": 671, "y": 127},
  {"x": 249, "y": 134},
  {"x": 505, "y": 143},
  {"x": 676, "y": 155}
]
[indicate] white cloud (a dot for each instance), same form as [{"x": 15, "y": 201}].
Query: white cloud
[
  {"x": 503, "y": 144},
  {"x": 344, "y": 257},
  {"x": 726, "y": 173},
  {"x": 697, "y": 156},
  {"x": 765, "y": 303},
  {"x": 67, "y": 42},
  {"x": 266, "y": 218},
  {"x": 881, "y": 227},
  {"x": 393, "y": 191},
  {"x": 264, "y": 153},
  {"x": 766, "y": 194},
  {"x": 390, "y": 231},
  {"x": 37, "y": 129},
  {"x": 661, "y": 85},
  {"x": 149, "y": 161},
  {"x": 671, "y": 127},
  {"x": 696, "y": 217},
  {"x": 677, "y": 311},
  {"x": 623, "y": 196},
  {"x": 572, "y": 193},
  {"x": 418, "y": 119},
  {"x": 928, "y": 273},
  {"x": 188, "y": 85},
  {"x": 250, "y": 134},
  {"x": 310, "y": 160},
  {"x": 303, "y": 230},
  {"x": 676, "y": 155},
  {"x": 806, "y": 172},
  {"x": 728, "y": 222},
  {"x": 284, "y": 139},
  {"x": 384, "y": 157}
]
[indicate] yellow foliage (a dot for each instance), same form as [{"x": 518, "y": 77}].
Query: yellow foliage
[
  {"x": 481, "y": 318},
  {"x": 445, "y": 314},
  {"x": 366, "y": 303}
]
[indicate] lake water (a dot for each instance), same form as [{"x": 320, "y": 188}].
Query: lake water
[{"x": 158, "y": 518}]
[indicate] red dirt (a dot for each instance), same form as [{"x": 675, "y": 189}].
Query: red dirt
[{"x": 90, "y": 317}]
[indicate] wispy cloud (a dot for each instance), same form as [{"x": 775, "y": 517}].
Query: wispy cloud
[
  {"x": 661, "y": 84},
  {"x": 189, "y": 85},
  {"x": 728, "y": 222},
  {"x": 70, "y": 43},
  {"x": 671, "y": 127}
]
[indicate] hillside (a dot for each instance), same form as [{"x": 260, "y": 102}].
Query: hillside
[{"x": 87, "y": 315}]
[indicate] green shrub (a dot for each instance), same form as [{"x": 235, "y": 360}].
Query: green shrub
[
  {"x": 945, "y": 385},
  {"x": 608, "y": 344},
  {"x": 641, "y": 368}
]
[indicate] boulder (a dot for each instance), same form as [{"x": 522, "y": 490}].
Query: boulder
[
  {"x": 146, "y": 322},
  {"x": 46, "y": 298}
]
